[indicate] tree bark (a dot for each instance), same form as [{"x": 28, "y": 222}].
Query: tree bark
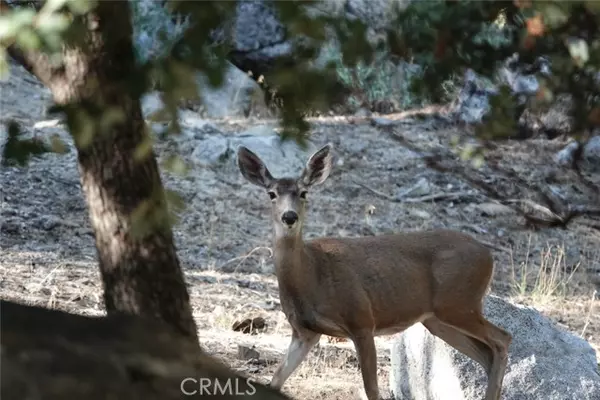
[{"x": 140, "y": 270}]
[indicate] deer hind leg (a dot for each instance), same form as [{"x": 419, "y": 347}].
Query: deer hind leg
[
  {"x": 473, "y": 324},
  {"x": 473, "y": 348},
  {"x": 364, "y": 344},
  {"x": 299, "y": 347}
]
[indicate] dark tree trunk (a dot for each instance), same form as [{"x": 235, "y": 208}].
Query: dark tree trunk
[{"x": 140, "y": 270}]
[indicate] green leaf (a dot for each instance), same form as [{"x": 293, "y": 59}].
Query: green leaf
[
  {"x": 144, "y": 149},
  {"x": 57, "y": 145},
  {"x": 553, "y": 14},
  {"x": 28, "y": 39},
  {"x": 11, "y": 23},
  {"x": 111, "y": 117},
  {"x": 81, "y": 6},
  {"x": 578, "y": 49},
  {"x": 52, "y": 23},
  {"x": 52, "y": 6},
  {"x": 4, "y": 67},
  {"x": 176, "y": 165},
  {"x": 18, "y": 151}
]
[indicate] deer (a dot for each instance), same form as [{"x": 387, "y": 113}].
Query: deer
[{"x": 361, "y": 287}]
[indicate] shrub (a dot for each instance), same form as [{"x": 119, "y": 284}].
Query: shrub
[{"x": 154, "y": 28}]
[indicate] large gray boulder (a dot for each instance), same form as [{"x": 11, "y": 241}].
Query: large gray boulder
[
  {"x": 283, "y": 157},
  {"x": 258, "y": 38},
  {"x": 545, "y": 362}
]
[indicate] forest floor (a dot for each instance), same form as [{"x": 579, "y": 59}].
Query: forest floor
[{"x": 223, "y": 238}]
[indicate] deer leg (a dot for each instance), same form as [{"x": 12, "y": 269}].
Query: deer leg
[
  {"x": 473, "y": 324},
  {"x": 297, "y": 351},
  {"x": 367, "y": 359},
  {"x": 472, "y": 348}
]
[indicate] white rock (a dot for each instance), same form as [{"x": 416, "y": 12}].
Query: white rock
[{"x": 545, "y": 362}]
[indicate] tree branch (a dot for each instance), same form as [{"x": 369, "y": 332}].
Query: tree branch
[
  {"x": 35, "y": 62},
  {"x": 555, "y": 213}
]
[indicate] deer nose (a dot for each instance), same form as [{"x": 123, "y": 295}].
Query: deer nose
[{"x": 289, "y": 217}]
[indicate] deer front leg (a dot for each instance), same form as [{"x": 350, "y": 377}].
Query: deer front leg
[
  {"x": 299, "y": 347},
  {"x": 367, "y": 359}
]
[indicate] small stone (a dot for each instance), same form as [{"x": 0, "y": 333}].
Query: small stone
[
  {"x": 591, "y": 154},
  {"x": 212, "y": 150},
  {"x": 48, "y": 222},
  {"x": 247, "y": 353},
  {"x": 250, "y": 325},
  {"x": 420, "y": 214},
  {"x": 10, "y": 228},
  {"x": 382, "y": 122},
  {"x": 493, "y": 209},
  {"x": 566, "y": 155}
]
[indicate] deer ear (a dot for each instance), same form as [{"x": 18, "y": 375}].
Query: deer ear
[
  {"x": 318, "y": 166},
  {"x": 253, "y": 168}
]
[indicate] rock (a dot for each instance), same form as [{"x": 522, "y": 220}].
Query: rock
[
  {"x": 54, "y": 355},
  {"x": 247, "y": 353},
  {"x": 493, "y": 209},
  {"x": 362, "y": 113},
  {"x": 420, "y": 214},
  {"x": 545, "y": 362},
  {"x": 192, "y": 126},
  {"x": 10, "y": 228},
  {"x": 566, "y": 156},
  {"x": 472, "y": 102},
  {"x": 151, "y": 103},
  {"x": 382, "y": 122},
  {"x": 421, "y": 188},
  {"x": 258, "y": 38},
  {"x": 234, "y": 98},
  {"x": 48, "y": 222},
  {"x": 212, "y": 150},
  {"x": 591, "y": 154},
  {"x": 283, "y": 158}
]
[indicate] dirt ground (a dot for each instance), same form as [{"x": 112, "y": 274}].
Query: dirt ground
[{"x": 223, "y": 239}]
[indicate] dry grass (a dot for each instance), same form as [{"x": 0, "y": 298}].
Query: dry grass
[{"x": 546, "y": 279}]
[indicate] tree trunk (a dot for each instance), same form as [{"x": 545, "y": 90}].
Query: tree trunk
[{"x": 140, "y": 270}]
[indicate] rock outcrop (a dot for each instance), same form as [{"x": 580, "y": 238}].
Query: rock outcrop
[{"x": 545, "y": 362}]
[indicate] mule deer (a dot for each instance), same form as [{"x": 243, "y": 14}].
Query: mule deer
[{"x": 363, "y": 287}]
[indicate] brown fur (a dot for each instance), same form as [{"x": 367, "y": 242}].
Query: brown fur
[{"x": 358, "y": 288}]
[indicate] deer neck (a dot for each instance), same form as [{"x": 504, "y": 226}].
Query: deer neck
[{"x": 290, "y": 257}]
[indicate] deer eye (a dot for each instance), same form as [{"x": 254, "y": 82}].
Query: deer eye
[
  {"x": 303, "y": 194},
  {"x": 272, "y": 195}
]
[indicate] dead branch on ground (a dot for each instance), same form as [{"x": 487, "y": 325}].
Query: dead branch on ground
[{"x": 554, "y": 212}]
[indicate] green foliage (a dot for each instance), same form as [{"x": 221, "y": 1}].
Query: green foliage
[
  {"x": 18, "y": 151},
  {"x": 384, "y": 80},
  {"x": 155, "y": 29},
  {"x": 447, "y": 37},
  {"x": 441, "y": 37},
  {"x": 43, "y": 30}
]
